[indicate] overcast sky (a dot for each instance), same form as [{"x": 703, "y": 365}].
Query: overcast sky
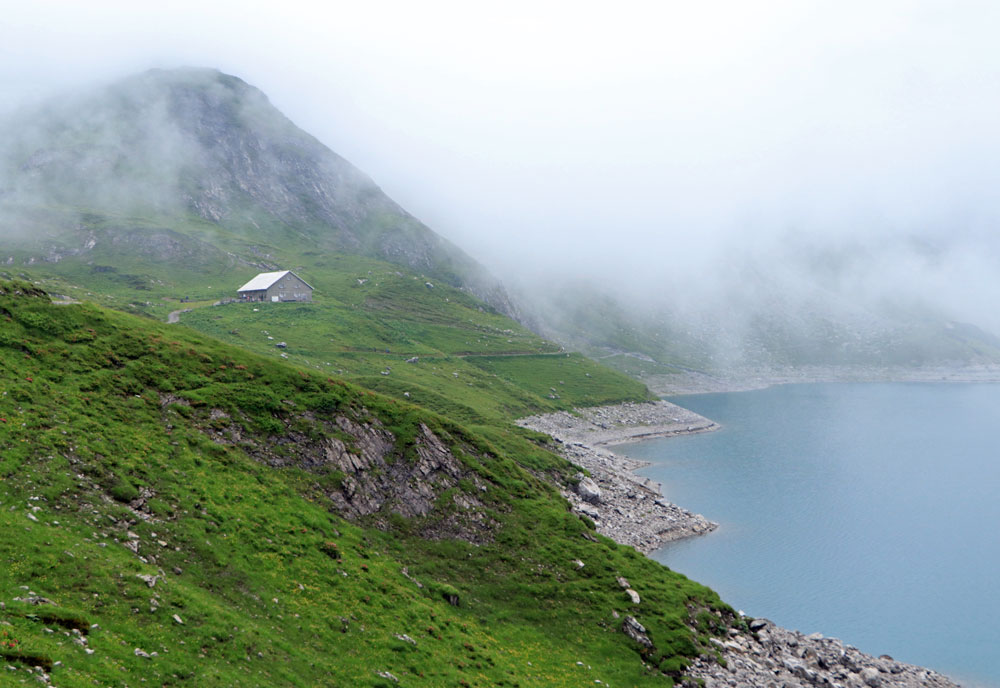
[{"x": 638, "y": 136}]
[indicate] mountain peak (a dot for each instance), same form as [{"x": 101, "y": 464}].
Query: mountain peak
[{"x": 169, "y": 144}]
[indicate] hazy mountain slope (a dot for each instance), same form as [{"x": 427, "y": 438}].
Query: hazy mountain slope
[
  {"x": 183, "y": 183},
  {"x": 187, "y": 513},
  {"x": 206, "y": 156},
  {"x": 169, "y": 190},
  {"x": 752, "y": 320}
]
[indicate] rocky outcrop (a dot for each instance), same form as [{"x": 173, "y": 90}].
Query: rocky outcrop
[
  {"x": 772, "y": 657},
  {"x": 366, "y": 476},
  {"x": 636, "y": 631}
]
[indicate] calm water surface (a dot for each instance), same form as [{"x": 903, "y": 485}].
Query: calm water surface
[{"x": 867, "y": 512}]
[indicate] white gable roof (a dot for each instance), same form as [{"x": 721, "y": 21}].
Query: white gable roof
[{"x": 263, "y": 281}]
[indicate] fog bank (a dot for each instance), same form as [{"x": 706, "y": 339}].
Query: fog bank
[{"x": 698, "y": 155}]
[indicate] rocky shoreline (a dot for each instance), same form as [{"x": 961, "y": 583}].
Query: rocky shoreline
[
  {"x": 632, "y": 511},
  {"x": 773, "y": 657},
  {"x": 626, "y": 508}
]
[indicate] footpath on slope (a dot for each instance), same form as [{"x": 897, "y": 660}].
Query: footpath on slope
[
  {"x": 632, "y": 511},
  {"x": 174, "y": 317}
]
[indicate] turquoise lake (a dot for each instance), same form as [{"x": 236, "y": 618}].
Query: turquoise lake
[{"x": 866, "y": 512}]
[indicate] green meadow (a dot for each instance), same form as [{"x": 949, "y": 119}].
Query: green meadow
[{"x": 144, "y": 550}]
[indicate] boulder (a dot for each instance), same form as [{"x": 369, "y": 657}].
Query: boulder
[
  {"x": 871, "y": 677},
  {"x": 589, "y": 491}
]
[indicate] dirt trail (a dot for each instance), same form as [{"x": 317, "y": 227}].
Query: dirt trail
[{"x": 175, "y": 316}]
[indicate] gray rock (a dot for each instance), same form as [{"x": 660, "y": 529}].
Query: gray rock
[
  {"x": 589, "y": 511},
  {"x": 871, "y": 677},
  {"x": 636, "y": 631},
  {"x": 589, "y": 491},
  {"x": 147, "y": 579}
]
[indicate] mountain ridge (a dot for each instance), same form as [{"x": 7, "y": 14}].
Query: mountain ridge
[{"x": 205, "y": 150}]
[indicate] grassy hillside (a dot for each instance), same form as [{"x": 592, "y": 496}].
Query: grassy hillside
[
  {"x": 176, "y": 523},
  {"x": 368, "y": 319}
]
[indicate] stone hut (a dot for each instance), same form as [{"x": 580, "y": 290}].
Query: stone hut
[{"x": 284, "y": 285}]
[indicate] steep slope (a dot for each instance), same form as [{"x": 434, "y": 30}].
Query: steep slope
[
  {"x": 185, "y": 513},
  {"x": 204, "y": 160},
  {"x": 168, "y": 190}
]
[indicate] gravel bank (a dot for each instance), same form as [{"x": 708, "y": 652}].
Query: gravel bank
[
  {"x": 773, "y": 657},
  {"x": 631, "y": 510}
]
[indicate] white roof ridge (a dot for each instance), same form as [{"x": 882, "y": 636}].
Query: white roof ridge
[{"x": 263, "y": 281}]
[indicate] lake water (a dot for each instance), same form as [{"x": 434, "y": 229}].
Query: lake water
[{"x": 867, "y": 512}]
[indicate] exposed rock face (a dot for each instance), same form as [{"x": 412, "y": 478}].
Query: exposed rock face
[
  {"x": 772, "y": 657},
  {"x": 161, "y": 245},
  {"x": 374, "y": 481}
]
